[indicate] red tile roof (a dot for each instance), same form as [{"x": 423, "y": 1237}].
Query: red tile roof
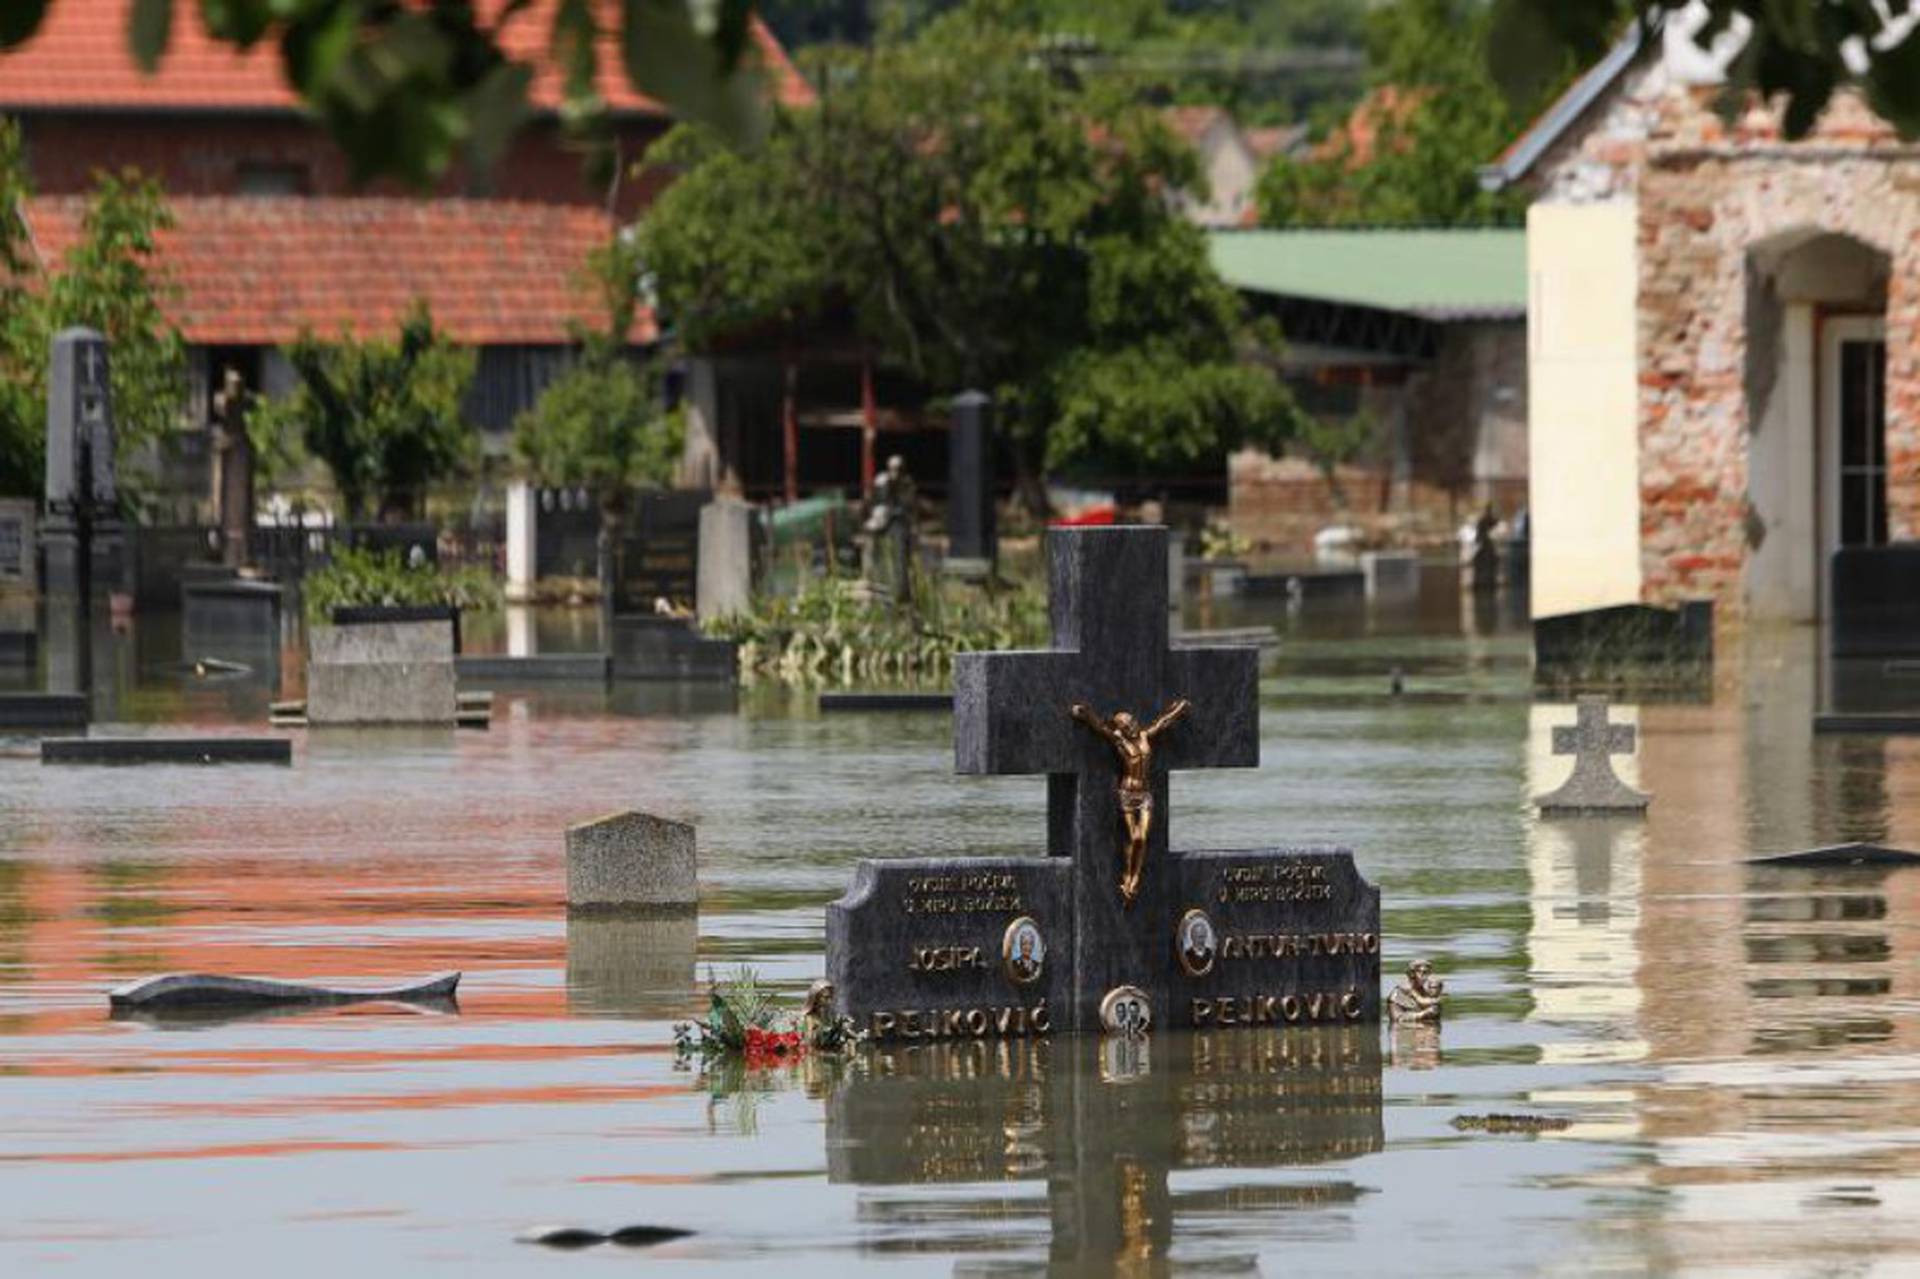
[
  {"x": 80, "y": 59},
  {"x": 256, "y": 270}
]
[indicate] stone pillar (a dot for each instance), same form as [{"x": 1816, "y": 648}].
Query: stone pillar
[
  {"x": 522, "y": 514},
  {"x": 971, "y": 536},
  {"x": 724, "y": 584},
  {"x": 82, "y": 523}
]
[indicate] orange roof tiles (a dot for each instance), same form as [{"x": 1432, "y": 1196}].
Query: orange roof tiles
[
  {"x": 80, "y": 59},
  {"x": 252, "y": 271}
]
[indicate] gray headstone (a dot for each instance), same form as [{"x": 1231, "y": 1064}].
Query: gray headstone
[
  {"x": 725, "y": 581},
  {"x": 1265, "y": 936},
  {"x": 79, "y": 421},
  {"x": 17, "y": 533},
  {"x": 1594, "y": 787},
  {"x": 1391, "y": 574},
  {"x": 384, "y": 673},
  {"x": 629, "y": 860}
]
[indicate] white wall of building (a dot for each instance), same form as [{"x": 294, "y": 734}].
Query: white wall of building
[{"x": 1583, "y": 406}]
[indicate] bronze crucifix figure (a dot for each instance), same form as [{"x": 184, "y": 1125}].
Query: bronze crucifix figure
[{"x": 1134, "y": 746}]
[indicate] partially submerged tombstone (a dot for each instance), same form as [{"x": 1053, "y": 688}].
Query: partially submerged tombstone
[
  {"x": 1111, "y": 931},
  {"x": 81, "y": 532},
  {"x": 632, "y": 915},
  {"x": 383, "y": 673},
  {"x": 631, "y": 860},
  {"x": 1594, "y": 788}
]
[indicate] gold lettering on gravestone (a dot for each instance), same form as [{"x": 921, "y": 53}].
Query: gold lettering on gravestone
[
  {"x": 1294, "y": 880},
  {"x": 944, "y": 959},
  {"x": 1268, "y": 1010},
  {"x": 959, "y": 1023},
  {"x": 963, "y": 893},
  {"x": 1236, "y": 946}
]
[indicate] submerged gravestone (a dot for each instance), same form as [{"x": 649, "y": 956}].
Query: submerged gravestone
[
  {"x": 382, "y": 673},
  {"x": 1111, "y": 931},
  {"x": 628, "y": 860},
  {"x": 17, "y": 558},
  {"x": 1593, "y": 787}
]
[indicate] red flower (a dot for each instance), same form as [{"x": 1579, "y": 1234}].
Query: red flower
[{"x": 768, "y": 1047}]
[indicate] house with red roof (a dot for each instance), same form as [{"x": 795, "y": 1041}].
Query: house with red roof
[{"x": 271, "y": 238}]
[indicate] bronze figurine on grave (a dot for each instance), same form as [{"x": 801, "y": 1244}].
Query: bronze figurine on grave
[
  {"x": 1134, "y": 746},
  {"x": 1416, "y": 1001}
]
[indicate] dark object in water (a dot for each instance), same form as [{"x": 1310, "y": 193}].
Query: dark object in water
[
  {"x": 1841, "y": 855},
  {"x": 574, "y": 1237},
  {"x": 1511, "y": 1123},
  {"x": 1396, "y": 682},
  {"x": 175, "y": 992}
]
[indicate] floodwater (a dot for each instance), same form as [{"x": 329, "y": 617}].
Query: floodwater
[{"x": 1736, "y": 1052}]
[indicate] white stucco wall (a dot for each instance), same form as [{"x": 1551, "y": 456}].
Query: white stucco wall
[{"x": 1582, "y": 422}]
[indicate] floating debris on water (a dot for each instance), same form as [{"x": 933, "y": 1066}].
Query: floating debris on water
[{"x": 1511, "y": 1123}]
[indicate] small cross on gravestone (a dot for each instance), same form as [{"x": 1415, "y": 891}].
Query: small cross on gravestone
[
  {"x": 1594, "y": 787},
  {"x": 1111, "y": 931}
]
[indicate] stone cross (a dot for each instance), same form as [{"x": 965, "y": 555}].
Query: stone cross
[
  {"x": 1593, "y": 787},
  {"x": 1110, "y": 652},
  {"x": 79, "y": 422}
]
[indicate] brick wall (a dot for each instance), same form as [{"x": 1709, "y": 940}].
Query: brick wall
[
  {"x": 1452, "y": 439},
  {"x": 1709, "y": 194}
]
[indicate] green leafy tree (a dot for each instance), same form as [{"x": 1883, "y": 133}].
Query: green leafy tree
[
  {"x": 1437, "y": 115},
  {"x": 989, "y": 220},
  {"x": 601, "y": 425},
  {"x": 408, "y": 88},
  {"x": 106, "y": 282},
  {"x": 384, "y": 414}
]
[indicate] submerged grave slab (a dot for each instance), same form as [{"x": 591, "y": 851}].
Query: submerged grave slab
[{"x": 1130, "y": 936}]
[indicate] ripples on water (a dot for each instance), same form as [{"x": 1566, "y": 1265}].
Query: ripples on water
[{"x": 1738, "y": 1049}]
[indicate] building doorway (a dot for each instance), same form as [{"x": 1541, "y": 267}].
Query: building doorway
[{"x": 1853, "y": 433}]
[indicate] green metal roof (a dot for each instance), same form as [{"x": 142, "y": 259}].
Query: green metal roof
[{"x": 1435, "y": 274}]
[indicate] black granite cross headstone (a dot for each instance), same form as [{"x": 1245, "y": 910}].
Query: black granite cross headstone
[
  {"x": 1111, "y": 652},
  {"x": 936, "y": 948}
]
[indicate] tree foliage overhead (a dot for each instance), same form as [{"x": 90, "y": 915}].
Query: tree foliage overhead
[
  {"x": 988, "y": 220},
  {"x": 1801, "y": 50},
  {"x": 106, "y": 282},
  {"x": 384, "y": 414},
  {"x": 406, "y": 88},
  {"x": 1412, "y": 153}
]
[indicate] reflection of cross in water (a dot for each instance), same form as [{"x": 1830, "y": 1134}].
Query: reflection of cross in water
[
  {"x": 1108, "y": 591},
  {"x": 1592, "y": 741}
]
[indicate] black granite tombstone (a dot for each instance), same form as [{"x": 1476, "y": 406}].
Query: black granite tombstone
[
  {"x": 971, "y": 536},
  {"x": 659, "y": 551},
  {"x": 1112, "y": 931}
]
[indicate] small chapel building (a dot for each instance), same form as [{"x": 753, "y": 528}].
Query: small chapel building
[{"x": 1724, "y": 339}]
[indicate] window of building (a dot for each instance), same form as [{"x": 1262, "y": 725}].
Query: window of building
[{"x": 272, "y": 177}]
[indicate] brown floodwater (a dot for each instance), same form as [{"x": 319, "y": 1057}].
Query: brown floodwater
[{"x": 1735, "y": 1051}]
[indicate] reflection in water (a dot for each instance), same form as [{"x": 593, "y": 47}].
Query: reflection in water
[
  {"x": 631, "y": 964},
  {"x": 1108, "y": 1144}
]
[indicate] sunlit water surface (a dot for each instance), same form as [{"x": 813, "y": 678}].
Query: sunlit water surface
[{"x": 1737, "y": 1051}]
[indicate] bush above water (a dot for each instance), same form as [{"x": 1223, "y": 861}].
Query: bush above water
[
  {"x": 361, "y": 577},
  {"x": 829, "y": 632}
]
